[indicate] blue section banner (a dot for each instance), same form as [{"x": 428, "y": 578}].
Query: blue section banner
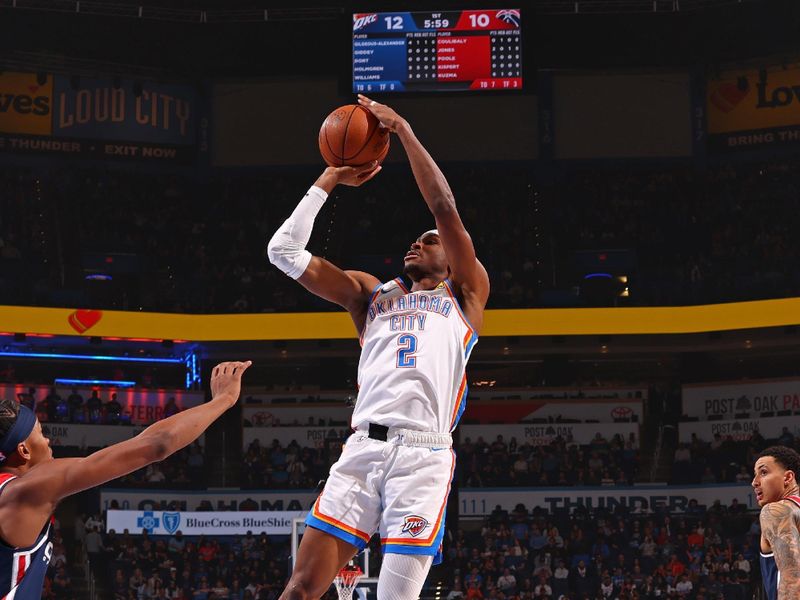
[
  {"x": 97, "y": 119},
  {"x": 159, "y": 113}
]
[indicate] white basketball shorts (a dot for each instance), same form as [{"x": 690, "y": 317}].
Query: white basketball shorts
[{"x": 399, "y": 487}]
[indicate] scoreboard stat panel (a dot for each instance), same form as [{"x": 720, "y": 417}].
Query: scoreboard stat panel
[{"x": 437, "y": 51}]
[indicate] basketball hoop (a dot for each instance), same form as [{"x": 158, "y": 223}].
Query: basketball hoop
[{"x": 346, "y": 581}]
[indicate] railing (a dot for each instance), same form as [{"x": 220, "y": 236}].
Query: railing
[
  {"x": 90, "y": 580},
  {"x": 657, "y": 454},
  {"x": 251, "y": 15}
]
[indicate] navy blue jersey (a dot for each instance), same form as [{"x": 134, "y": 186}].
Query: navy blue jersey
[
  {"x": 769, "y": 570},
  {"x": 22, "y": 570}
]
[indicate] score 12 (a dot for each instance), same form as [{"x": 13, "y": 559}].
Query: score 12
[{"x": 394, "y": 22}]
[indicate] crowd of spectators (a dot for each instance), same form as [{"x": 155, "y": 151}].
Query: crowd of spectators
[
  {"x": 290, "y": 466},
  {"x": 57, "y": 582},
  {"x": 707, "y": 554},
  {"x": 499, "y": 463},
  {"x": 724, "y": 459},
  {"x": 143, "y": 568},
  {"x": 185, "y": 469},
  {"x": 199, "y": 246},
  {"x": 502, "y": 463},
  {"x": 718, "y": 235},
  {"x": 74, "y": 408}
]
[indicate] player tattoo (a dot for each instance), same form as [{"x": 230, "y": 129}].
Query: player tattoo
[{"x": 779, "y": 527}]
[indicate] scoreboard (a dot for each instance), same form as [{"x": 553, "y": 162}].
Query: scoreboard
[{"x": 458, "y": 50}]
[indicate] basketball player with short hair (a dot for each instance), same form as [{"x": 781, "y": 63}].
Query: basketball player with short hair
[
  {"x": 32, "y": 482},
  {"x": 395, "y": 471},
  {"x": 776, "y": 488}
]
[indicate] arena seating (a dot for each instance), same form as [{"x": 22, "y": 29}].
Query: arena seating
[
  {"x": 159, "y": 228},
  {"x": 722, "y": 459},
  {"x": 525, "y": 555}
]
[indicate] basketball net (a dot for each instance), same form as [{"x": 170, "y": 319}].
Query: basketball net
[{"x": 346, "y": 581}]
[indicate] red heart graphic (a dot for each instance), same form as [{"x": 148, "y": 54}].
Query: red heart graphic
[
  {"x": 33, "y": 88},
  {"x": 727, "y": 96},
  {"x": 82, "y": 320}
]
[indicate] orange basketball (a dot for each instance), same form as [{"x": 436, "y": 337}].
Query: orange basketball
[{"x": 351, "y": 135}]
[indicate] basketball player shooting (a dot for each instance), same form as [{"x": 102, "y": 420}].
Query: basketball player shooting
[
  {"x": 775, "y": 485},
  {"x": 32, "y": 482},
  {"x": 395, "y": 470}
]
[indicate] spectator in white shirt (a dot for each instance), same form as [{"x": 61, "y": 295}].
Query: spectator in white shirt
[
  {"x": 683, "y": 454},
  {"x": 506, "y": 583},
  {"x": 92, "y": 523},
  {"x": 742, "y": 564},
  {"x": 684, "y": 586},
  {"x": 542, "y": 588}
]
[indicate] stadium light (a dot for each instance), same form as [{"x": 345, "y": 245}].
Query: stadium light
[
  {"x": 109, "y": 382},
  {"x": 141, "y": 359}
]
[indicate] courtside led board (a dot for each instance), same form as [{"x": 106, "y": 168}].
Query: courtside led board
[{"x": 445, "y": 51}]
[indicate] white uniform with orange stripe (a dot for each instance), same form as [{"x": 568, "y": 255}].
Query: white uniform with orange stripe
[{"x": 412, "y": 379}]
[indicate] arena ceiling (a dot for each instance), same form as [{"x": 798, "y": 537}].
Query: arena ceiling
[{"x": 197, "y": 40}]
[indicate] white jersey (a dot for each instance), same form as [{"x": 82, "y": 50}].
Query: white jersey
[{"x": 414, "y": 352}]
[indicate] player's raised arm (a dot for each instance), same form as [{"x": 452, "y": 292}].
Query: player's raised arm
[
  {"x": 779, "y": 527},
  {"x": 287, "y": 248},
  {"x": 467, "y": 271},
  {"x": 28, "y": 501}
]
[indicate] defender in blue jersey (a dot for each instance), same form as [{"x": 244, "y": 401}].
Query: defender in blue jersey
[
  {"x": 32, "y": 482},
  {"x": 778, "y": 495}
]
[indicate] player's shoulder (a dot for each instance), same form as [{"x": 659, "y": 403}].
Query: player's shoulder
[
  {"x": 793, "y": 502},
  {"x": 366, "y": 280},
  {"x": 780, "y": 509},
  {"x": 5, "y": 480}
]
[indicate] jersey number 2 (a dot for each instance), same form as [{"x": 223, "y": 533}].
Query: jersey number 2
[{"x": 407, "y": 346}]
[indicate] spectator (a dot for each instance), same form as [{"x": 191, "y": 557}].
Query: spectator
[
  {"x": 474, "y": 592},
  {"x": 113, "y": 410},
  {"x": 176, "y": 543},
  {"x": 94, "y": 522},
  {"x": 171, "y": 408},
  {"x": 94, "y": 544},
  {"x": 786, "y": 438},
  {"x": 542, "y": 588},
  {"x": 28, "y": 398},
  {"x": 76, "y": 409},
  {"x": 52, "y": 400},
  {"x": 94, "y": 408},
  {"x": 507, "y": 583}
]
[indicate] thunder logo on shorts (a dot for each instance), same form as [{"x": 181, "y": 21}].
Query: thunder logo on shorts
[{"x": 414, "y": 525}]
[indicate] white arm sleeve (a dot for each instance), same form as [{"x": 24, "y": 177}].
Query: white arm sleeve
[{"x": 287, "y": 248}]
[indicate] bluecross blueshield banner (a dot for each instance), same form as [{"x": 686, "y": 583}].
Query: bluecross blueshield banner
[{"x": 157, "y": 522}]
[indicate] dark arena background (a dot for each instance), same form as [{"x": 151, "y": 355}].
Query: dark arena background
[{"x": 630, "y": 177}]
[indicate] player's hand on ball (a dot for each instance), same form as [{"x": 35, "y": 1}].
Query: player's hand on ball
[
  {"x": 226, "y": 380},
  {"x": 387, "y": 116},
  {"x": 355, "y": 176}
]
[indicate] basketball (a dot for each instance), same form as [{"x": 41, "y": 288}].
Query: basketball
[{"x": 351, "y": 135}]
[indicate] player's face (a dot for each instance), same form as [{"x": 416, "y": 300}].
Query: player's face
[
  {"x": 38, "y": 445},
  {"x": 425, "y": 257},
  {"x": 769, "y": 481}
]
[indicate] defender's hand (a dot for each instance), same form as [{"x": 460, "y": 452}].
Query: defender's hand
[
  {"x": 226, "y": 380},
  {"x": 354, "y": 176},
  {"x": 387, "y": 116}
]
